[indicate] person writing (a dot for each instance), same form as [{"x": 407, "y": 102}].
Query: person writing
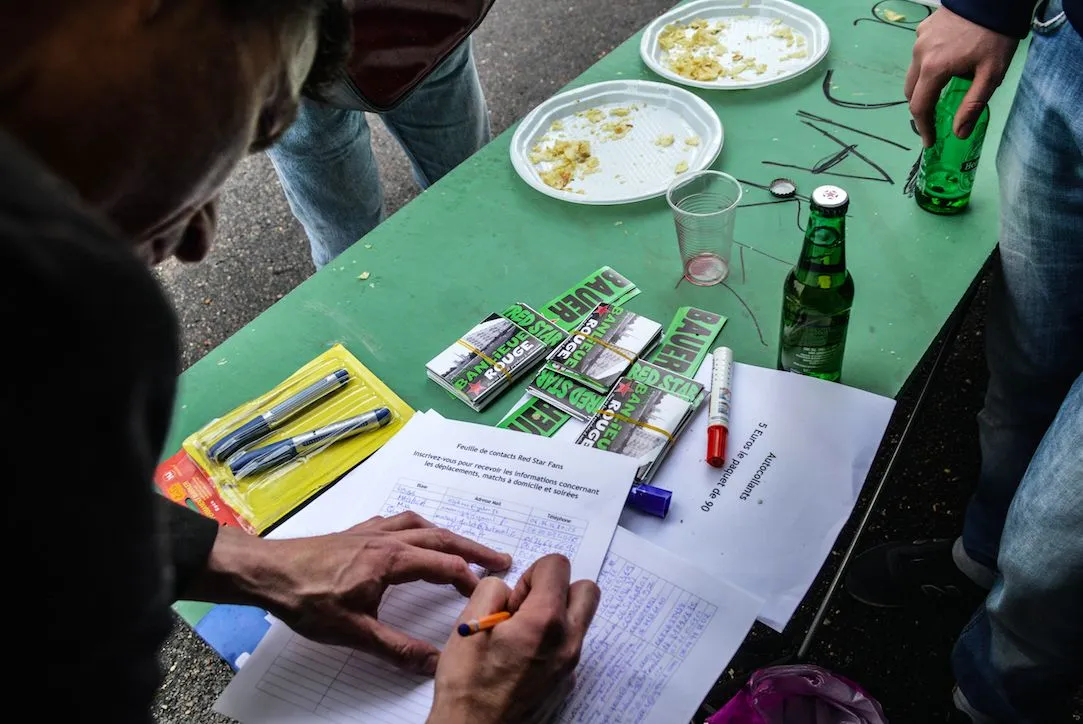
[{"x": 120, "y": 121}]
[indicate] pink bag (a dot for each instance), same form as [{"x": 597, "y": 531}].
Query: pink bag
[{"x": 799, "y": 694}]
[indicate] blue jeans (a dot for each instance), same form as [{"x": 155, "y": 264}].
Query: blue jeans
[
  {"x": 1021, "y": 654},
  {"x": 326, "y": 165}
]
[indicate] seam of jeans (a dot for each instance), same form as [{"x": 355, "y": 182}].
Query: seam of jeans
[{"x": 1044, "y": 27}]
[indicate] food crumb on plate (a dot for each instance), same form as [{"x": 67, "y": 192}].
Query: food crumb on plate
[
  {"x": 617, "y": 130},
  {"x": 620, "y": 112},
  {"x": 691, "y": 141},
  {"x": 569, "y": 159},
  {"x": 665, "y": 140},
  {"x": 785, "y": 33},
  {"x": 681, "y": 167},
  {"x": 591, "y": 114},
  {"x": 558, "y": 125}
]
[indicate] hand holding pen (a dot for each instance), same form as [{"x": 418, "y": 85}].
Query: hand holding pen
[{"x": 522, "y": 667}]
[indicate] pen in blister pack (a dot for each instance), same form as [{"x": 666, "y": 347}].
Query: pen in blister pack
[
  {"x": 718, "y": 421},
  {"x": 278, "y": 453},
  {"x": 264, "y": 423}
]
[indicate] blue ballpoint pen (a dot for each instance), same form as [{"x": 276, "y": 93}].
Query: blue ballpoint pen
[
  {"x": 278, "y": 453},
  {"x": 263, "y": 423}
]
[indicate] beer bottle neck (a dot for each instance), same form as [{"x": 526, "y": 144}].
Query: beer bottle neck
[{"x": 823, "y": 255}]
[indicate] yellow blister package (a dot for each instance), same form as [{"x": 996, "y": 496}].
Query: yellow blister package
[{"x": 269, "y": 455}]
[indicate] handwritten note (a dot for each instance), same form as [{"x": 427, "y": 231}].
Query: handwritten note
[
  {"x": 663, "y": 633},
  {"x": 517, "y": 493}
]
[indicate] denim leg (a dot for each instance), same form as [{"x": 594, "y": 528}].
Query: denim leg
[
  {"x": 1034, "y": 329},
  {"x": 327, "y": 169},
  {"x": 1020, "y": 657},
  {"x": 445, "y": 120}
]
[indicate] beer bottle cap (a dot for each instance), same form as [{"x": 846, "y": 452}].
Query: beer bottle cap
[
  {"x": 782, "y": 188},
  {"x": 830, "y": 199}
]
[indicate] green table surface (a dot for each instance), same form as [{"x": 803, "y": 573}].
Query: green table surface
[{"x": 481, "y": 238}]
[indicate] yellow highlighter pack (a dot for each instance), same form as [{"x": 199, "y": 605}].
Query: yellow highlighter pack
[{"x": 261, "y": 460}]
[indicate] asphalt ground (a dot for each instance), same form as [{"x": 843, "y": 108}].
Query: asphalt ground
[{"x": 526, "y": 51}]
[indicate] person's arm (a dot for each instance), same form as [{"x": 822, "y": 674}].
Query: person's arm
[{"x": 967, "y": 38}]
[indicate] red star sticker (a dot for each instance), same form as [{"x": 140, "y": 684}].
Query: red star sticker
[
  {"x": 602, "y": 309},
  {"x": 624, "y": 388},
  {"x": 474, "y": 388}
]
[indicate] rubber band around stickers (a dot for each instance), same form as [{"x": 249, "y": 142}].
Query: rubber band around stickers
[
  {"x": 638, "y": 423},
  {"x": 501, "y": 368},
  {"x": 619, "y": 351}
]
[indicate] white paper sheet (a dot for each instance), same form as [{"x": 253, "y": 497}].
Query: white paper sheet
[
  {"x": 767, "y": 531},
  {"x": 517, "y": 493},
  {"x": 663, "y": 633},
  {"x": 797, "y": 455}
]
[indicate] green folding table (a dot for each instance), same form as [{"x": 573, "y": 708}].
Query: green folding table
[{"x": 481, "y": 238}]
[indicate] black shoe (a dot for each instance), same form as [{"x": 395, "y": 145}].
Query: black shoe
[{"x": 894, "y": 575}]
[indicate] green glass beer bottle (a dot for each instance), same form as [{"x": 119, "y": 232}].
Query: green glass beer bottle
[
  {"x": 947, "y": 169},
  {"x": 818, "y": 293}
]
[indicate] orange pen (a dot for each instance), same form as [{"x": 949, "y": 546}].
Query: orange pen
[{"x": 483, "y": 623}]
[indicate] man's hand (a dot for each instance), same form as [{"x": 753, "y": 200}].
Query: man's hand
[
  {"x": 949, "y": 45},
  {"x": 328, "y": 588},
  {"x": 512, "y": 672}
]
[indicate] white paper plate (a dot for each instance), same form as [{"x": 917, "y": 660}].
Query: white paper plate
[
  {"x": 631, "y": 168},
  {"x": 748, "y": 32}
]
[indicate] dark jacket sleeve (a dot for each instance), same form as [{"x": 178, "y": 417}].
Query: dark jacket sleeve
[
  {"x": 191, "y": 537},
  {"x": 1007, "y": 17},
  {"x": 88, "y": 370}
]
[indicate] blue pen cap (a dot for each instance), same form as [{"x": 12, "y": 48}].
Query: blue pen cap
[
  {"x": 650, "y": 500},
  {"x": 251, "y": 431},
  {"x": 264, "y": 458}
]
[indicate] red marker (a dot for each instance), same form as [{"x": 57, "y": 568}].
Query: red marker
[{"x": 718, "y": 421}]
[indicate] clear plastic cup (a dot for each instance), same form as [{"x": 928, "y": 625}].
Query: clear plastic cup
[{"x": 704, "y": 209}]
